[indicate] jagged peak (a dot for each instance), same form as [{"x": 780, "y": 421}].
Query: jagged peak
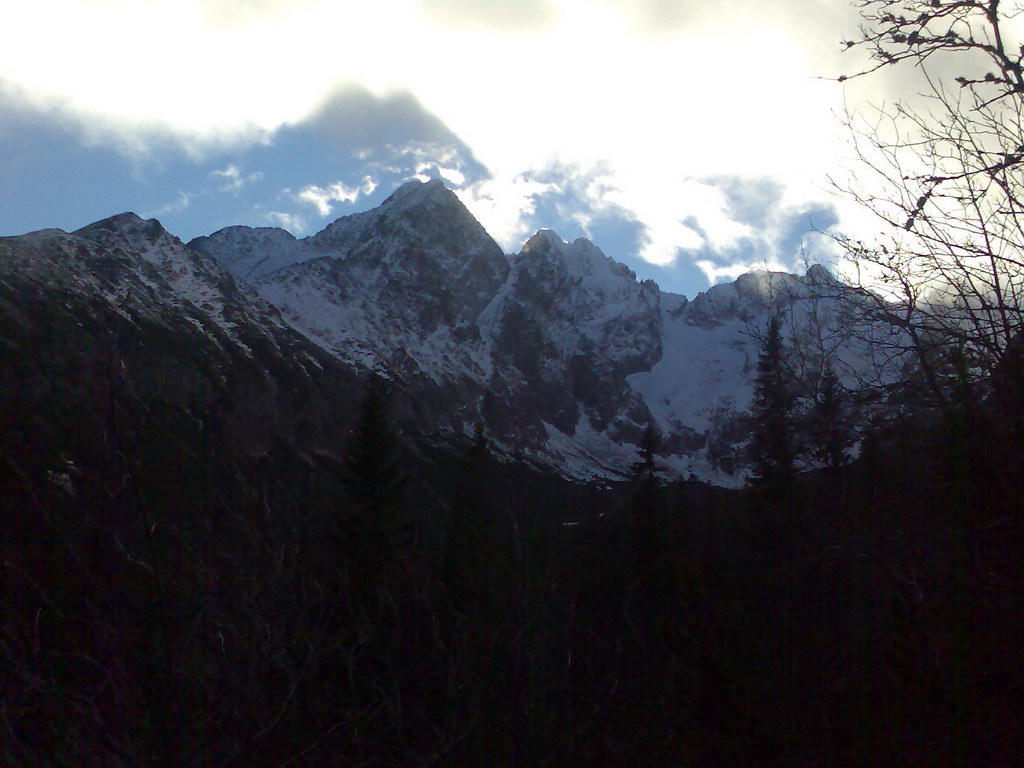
[
  {"x": 764, "y": 283},
  {"x": 240, "y": 240},
  {"x": 765, "y": 288},
  {"x": 426, "y": 211},
  {"x": 409, "y": 196},
  {"x": 38, "y": 234},
  {"x": 117, "y": 221},
  {"x": 581, "y": 257},
  {"x": 242, "y": 229},
  {"x": 543, "y": 241},
  {"x": 416, "y": 192},
  {"x": 125, "y": 217},
  {"x": 546, "y": 239},
  {"x": 818, "y": 274},
  {"x": 585, "y": 248},
  {"x": 127, "y": 224}
]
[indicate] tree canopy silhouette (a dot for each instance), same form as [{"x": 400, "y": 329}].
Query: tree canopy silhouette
[
  {"x": 373, "y": 477},
  {"x": 943, "y": 171},
  {"x": 772, "y": 447}
]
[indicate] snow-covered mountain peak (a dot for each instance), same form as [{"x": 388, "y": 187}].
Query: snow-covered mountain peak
[
  {"x": 253, "y": 252},
  {"x": 582, "y": 260},
  {"x": 425, "y": 216},
  {"x": 559, "y": 349},
  {"x": 129, "y": 234},
  {"x": 768, "y": 288},
  {"x": 543, "y": 241},
  {"x": 586, "y": 260},
  {"x": 818, "y": 275},
  {"x": 421, "y": 232},
  {"x": 748, "y": 296},
  {"x": 245, "y": 238},
  {"x": 416, "y": 193},
  {"x": 413, "y": 206},
  {"x": 127, "y": 220},
  {"x": 129, "y": 230}
]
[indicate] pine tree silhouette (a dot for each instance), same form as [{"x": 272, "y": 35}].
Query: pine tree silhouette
[
  {"x": 772, "y": 443},
  {"x": 829, "y": 431},
  {"x": 373, "y": 479},
  {"x": 466, "y": 560},
  {"x": 646, "y": 515}
]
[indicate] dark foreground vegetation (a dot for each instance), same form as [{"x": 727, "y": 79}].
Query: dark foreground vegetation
[
  {"x": 172, "y": 599},
  {"x": 204, "y": 564}
]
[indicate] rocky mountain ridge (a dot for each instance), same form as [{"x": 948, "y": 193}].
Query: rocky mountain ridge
[{"x": 558, "y": 350}]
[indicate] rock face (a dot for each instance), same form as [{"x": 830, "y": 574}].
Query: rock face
[
  {"x": 566, "y": 332},
  {"x": 202, "y": 343},
  {"x": 539, "y": 346},
  {"x": 385, "y": 288},
  {"x": 559, "y": 350}
]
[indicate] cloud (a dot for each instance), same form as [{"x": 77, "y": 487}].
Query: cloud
[
  {"x": 236, "y": 13},
  {"x": 662, "y": 15},
  {"x": 723, "y": 225},
  {"x": 356, "y": 118},
  {"x": 292, "y": 222},
  {"x": 673, "y": 215},
  {"x": 426, "y": 161},
  {"x": 576, "y": 200},
  {"x": 338, "y": 192},
  {"x": 727, "y": 272},
  {"x": 780, "y": 233},
  {"x": 183, "y": 201},
  {"x": 637, "y": 116},
  {"x": 233, "y": 180},
  {"x": 499, "y": 16},
  {"x": 505, "y": 207}
]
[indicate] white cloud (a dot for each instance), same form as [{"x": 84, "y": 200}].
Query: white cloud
[
  {"x": 426, "y": 170},
  {"x": 719, "y": 273},
  {"x": 233, "y": 180},
  {"x": 183, "y": 201},
  {"x": 453, "y": 176},
  {"x": 500, "y": 16},
  {"x": 292, "y": 222},
  {"x": 338, "y": 192},
  {"x": 661, "y": 95},
  {"x": 504, "y": 206}
]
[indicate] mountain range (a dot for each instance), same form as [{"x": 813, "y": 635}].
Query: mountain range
[{"x": 558, "y": 351}]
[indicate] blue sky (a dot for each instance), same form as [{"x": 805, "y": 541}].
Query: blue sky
[{"x": 690, "y": 140}]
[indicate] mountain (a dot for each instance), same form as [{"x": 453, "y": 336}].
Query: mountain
[
  {"x": 558, "y": 350},
  {"x": 120, "y": 316}
]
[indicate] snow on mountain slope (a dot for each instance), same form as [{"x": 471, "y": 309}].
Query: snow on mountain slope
[
  {"x": 558, "y": 350},
  {"x": 397, "y": 288},
  {"x": 421, "y": 246},
  {"x": 701, "y": 389},
  {"x": 565, "y": 332},
  {"x": 182, "y": 277},
  {"x": 252, "y": 253},
  {"x": 120, "y": 316},
  {"x": 139, "y": 268}
]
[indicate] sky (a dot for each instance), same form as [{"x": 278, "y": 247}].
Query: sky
[{"x": 692, "y": 140}]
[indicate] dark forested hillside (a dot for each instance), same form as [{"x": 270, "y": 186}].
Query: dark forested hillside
[
  {"x": 223, "y": 546},
  {"x": 198, "y": 571}
]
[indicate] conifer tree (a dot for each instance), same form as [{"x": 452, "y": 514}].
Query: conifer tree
[
  {"x": 373, "y": 478},
  {"x": 464, "y": 567},
  {"x": 772, "y": 445},
  {"x": 828, "y": 428},
  {"x": 646, "y": 525},
  {"x": 645, "y": 472}
]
